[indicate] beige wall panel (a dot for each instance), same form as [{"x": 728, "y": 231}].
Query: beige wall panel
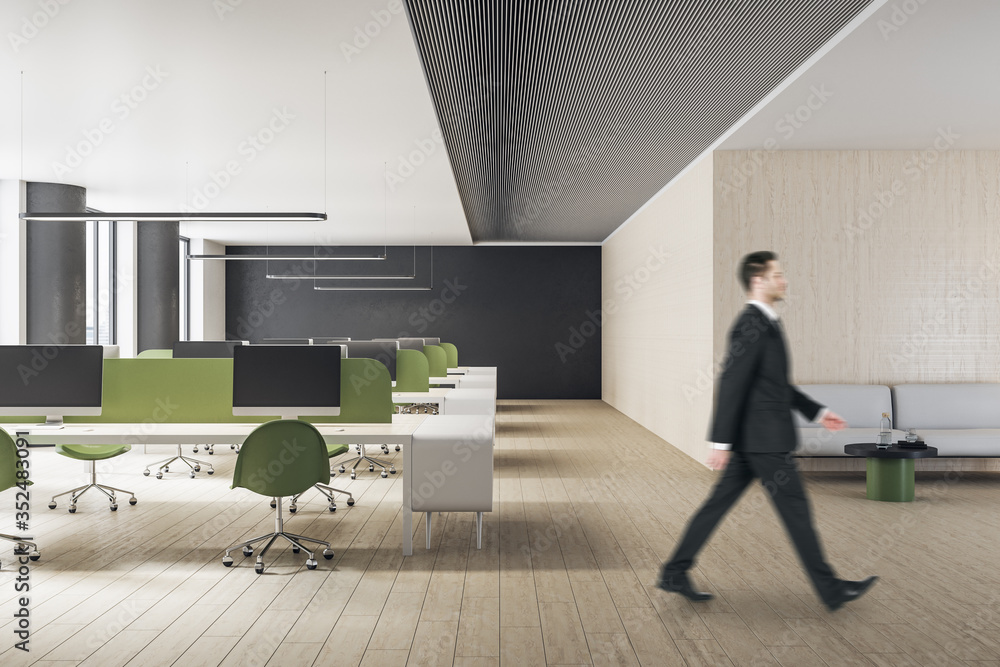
[
  {"x": 657, "y": 330},
  {"x": 893, "y": 259}
]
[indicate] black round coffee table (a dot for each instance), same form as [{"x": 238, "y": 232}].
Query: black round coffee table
[{"x": 890, "y": 475}]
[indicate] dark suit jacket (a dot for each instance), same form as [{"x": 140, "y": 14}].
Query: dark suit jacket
[{"x": 754, "y": 399}]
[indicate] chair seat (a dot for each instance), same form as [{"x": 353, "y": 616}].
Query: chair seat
[
  {"x": 336, "y": 450},
  {"x": 92, "y": 452}
]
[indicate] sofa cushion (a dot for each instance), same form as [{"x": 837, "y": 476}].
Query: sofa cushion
[
  {"x": 963, "y": 442},
  {"x": 947, "y": 406},
  {"x": 861, "y": 405}
]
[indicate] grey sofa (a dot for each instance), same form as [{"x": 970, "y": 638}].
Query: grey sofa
[
  {"x": 958, "y": 419},
  {"x": 861, "y": 405}
]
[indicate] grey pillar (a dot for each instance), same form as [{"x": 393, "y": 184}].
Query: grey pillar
[
  {"x": 158, "y": 284},
  {"x": 56, "y": 266}
]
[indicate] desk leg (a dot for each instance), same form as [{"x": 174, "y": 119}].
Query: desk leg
[
  {"x": 890, "y": 480},
  {"x": 407, "y": 500}
]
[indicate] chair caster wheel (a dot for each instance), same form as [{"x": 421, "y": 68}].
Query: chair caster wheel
[
  {"x": 384, "y": 474},
  {"x": 197, "y": 468},
  {"x": 145, "y": 473},
  {"x": 166, "y": 468},
  {"x": 273, "y": 504},
  {"x": 353, "y": 475},
  {"x": 211, "y": 471},
  {"x": 350, "y": 502},
  {"x": 132, "y": 500},
  {"x": 311, "y": 564},
  {"x": 232, "y": 446},
  {"x": 333, "y": 508},
  {"x": 392, "y": 470},
  {"x": 371, "y": 467},
  {"x": 397, "y": 448},
  {"x": 114, "y": 507},
  {"x": 293, "y": 509},
  {"x": 34, "y": 555},
  {"x": 341, "y": 469},
  {"x": 385, "y": 449},
  {"x": 72, "y": 509},
  {"x": 258, "y": 568},
  {"x": 52, "y": 505},
  {"x": 210, "y": 452},
  {"x": 295, "y": 549},
  {"x": 159, "y": 475},
  {"x": 191, "y": 474},
  {"x": 195, "y": 449},
  {"x": 328, "y": 554},
  {"x": 227, "y": 560}
]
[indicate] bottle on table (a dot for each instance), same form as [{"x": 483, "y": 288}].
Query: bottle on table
[{"x": 884, "y": 432}]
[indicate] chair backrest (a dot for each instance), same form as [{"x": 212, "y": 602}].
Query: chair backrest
[
  {"x": 365, "y": 394},
  {"x": 451, "y": 354},
  {"x": 8, "y": 461},
  {"x": 412, "y": 371},
  {"x": 437, "y": 361},
  {"x": 155, "y": 354},
  {"x": 282, "y": 458}
]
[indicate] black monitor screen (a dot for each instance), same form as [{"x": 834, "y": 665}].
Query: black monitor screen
[
  {"x": 286, "y": 379},
  {"x": 58, "y": 379},
  {"x": 205, "y": 349},
  {"x": 384, "y": 351}
]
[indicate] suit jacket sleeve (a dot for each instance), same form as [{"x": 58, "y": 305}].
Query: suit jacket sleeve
[
  {"x": 809, "y": 408},
  {"x": 739, "y": 370}
]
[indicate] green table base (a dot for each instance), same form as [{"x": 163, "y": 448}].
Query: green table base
[{"x": 890, "y": 480}]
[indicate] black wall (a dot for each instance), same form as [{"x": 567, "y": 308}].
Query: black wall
[{"x": 531, "y": 311}]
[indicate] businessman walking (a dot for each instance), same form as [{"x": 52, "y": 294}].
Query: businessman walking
[{"x": 753, "y": 436}]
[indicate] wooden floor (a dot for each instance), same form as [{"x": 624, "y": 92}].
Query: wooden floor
[{"x": 587, "y": 505}]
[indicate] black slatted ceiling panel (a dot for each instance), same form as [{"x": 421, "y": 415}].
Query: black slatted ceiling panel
[{"x": 561, "y": 119}]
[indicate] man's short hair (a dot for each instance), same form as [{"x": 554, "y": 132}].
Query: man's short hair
[{"x": 755, "y": 264}]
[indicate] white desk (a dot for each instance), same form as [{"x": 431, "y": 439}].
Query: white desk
[
  {"x": 436, "y": 395},
  {"x": 400, "y": 432}
]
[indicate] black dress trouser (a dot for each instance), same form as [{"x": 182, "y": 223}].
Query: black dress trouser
[{"x": 780, "y": 477}]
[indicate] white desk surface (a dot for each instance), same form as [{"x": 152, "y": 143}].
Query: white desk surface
[{"x": 435, "y": 395}]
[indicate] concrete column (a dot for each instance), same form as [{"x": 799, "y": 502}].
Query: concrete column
[
  {"x": 158, "y": 284},
  {"x": 55, "y": 266}
]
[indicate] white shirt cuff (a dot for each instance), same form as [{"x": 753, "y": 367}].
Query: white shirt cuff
[{"x": 722, "y": 445}]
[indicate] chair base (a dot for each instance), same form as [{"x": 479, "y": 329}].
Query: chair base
[
  {"x": 386, "y": 467},
  {"x": 23, "y": 546},
  {"x": 327, "y": 492},
  {"x": 194, "y": 465},
  {"x": 109, "y": 491},
  {"x": 297, "y": 542}
]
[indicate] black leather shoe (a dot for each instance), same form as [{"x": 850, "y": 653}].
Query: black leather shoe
[
  {"x": 679, "y": 583},
  {"x": 851, "y": 590}
]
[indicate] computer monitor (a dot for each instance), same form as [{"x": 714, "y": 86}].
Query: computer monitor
[
  {"x": 51, "y": 380},
  {"x": 205, "y": 349},
  {"x": 287, "y": 341},
  {"x": 411, "y": 344},
  {"x": 327, "y": 340},
  {"x": 383, "y": 351},
  {"x": 432, "y": 341},
  {"x": 286, "y": 380}
]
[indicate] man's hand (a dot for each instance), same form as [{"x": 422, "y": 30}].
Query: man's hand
[
  {"x": 832, "y": 421},
  {"x": 718, "y": 458}
]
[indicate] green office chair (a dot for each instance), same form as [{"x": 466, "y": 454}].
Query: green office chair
[
  {"x": 9, "y": 468},
  {"x": 327, "y": 491},
  {"x": 451, "y": 354},
  {"x": 281, "y": 458},
  {"x": 365, "y": 398},
  {"x": 155, "y": 354},
  {"x": 91, "y": 454}
]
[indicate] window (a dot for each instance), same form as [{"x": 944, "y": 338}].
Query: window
[
  {"x": 101, "y": 288},
  {"x": 184, "y": 291}
]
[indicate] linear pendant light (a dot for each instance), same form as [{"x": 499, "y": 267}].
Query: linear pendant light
[{"x": 175, "y": 217}]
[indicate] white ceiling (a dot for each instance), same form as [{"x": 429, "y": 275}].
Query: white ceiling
[
  {"x": 226, "y": 72},
  {"x": 893, "y": 83},
  {"x": 225, "y": 68}
]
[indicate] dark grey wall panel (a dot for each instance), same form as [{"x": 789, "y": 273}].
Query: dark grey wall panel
[
  {"x": 158, "y": 284},
  {"x": 56, "y": 266},
  {"x": 518, "y": 308}
]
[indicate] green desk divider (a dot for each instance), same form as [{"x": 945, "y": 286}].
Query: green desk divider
[
  {"x": 412, "y": 371},
  {"x": 451, "y": 354},
  {"x": 437, "y": 361}
]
